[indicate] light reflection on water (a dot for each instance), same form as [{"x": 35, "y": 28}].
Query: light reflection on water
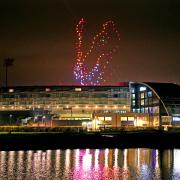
[{"x": 91, "y": 164}]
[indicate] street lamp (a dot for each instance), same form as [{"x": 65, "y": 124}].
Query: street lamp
[{"x": 7, "y": 63}]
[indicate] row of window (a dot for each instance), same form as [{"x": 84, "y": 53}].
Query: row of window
[
  {"x": 150, "y": 110},
  {"x": 143, "y": 95},
  {"x": 67, "y": 101},
  {"x": 66, "y": 95},
  {"x": 145, "y": 102}
]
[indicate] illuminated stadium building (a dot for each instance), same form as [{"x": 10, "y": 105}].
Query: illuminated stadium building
[{"x": 128, "y": 104}]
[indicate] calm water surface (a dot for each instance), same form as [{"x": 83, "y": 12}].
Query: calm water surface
[{"x": 91, "y": 164}]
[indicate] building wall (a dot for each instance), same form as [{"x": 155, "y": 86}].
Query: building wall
[
  {"x": 110, "y": 106},
  {"x": 66, "y": 103}
]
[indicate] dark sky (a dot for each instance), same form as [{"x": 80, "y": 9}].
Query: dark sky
[{"x": 40, "y": 35}]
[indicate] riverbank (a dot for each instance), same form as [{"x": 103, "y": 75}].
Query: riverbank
[{"x": 62, "y": 140}]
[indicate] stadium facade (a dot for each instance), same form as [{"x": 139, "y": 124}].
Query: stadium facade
[{"x": 94, "y": 107}]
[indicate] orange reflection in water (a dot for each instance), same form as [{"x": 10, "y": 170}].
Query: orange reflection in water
[{"x": 90, "y": 164}]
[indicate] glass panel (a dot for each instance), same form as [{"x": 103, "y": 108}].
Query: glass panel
[
  {"x": 150, "y": 94},
  {"x": 142, "y": 95}
]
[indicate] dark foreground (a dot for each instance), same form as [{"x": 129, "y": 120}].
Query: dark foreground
[{"x": 55, "y": 140}]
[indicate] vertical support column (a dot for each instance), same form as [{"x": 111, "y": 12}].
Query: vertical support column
[{"x": 160, "y": 118}]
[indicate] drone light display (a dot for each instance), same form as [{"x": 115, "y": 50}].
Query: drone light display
[{"x": 102, "y": 47}]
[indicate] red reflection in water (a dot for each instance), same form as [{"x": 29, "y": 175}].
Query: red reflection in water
[{"x": 88, "y": 164}]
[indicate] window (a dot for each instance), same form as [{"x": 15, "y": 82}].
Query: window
[
  {"x": 47, "y": 89},
  {"x": 142, "y": 110},
  {"x": 78, "y": 89},
  {"x": 146, "y": 102},
  {"x": 108, "y": 118},
  {"x": 133, "y": 96},
  {"x": 101, "y": 118},
  {"x": 132, "y": 90},
  {"x": 155, "y": 101},
  {"x": 123, "y": 118},
  {"x": 133, "y": 102},
  {"x": 142, "y": 88},
  {"x": 150, "y": 110},
  {"x": 142, "y": 95},
  {"x": 150, "y": 94},
  {"x": 130, "y": 118},
  {"x": 146, "y": 110},
  {"x": 176, "y": 118},
  {"x": 145, "y": 95},
  {"x": 150, "y": 101},
  {"x": 142, "y": 102},
  {"x": 156, "y": 109},
  {"x": 11, "y": 90}
]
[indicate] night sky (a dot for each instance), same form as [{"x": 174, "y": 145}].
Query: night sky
[{"x": 40, "y": 36}]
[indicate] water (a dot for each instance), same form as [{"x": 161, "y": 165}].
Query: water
[{"x": 91, "y": 164}]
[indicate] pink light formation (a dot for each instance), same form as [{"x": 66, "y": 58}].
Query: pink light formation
[{"x": 102, "y": 47}]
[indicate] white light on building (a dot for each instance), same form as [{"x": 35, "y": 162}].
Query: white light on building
[
  {"x": 176, "y": 118},
  {"x": 11, "y": 90},
  {"x": 78, "y": 89},
  {"x": 142, "y": 88}
]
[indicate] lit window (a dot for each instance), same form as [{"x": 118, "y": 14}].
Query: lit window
[
  {"x": 130, "y": 118},
  {"x": 176, "y": 118},
  {"x": 142, "y": 102},
  {"x": 142, "y": 95},
  {"x": 156, "y": 109},
  {"x": 133, "y": 96},
  {"x": 142, "y": 88},
  {"x": 149, "y": 110},
  {"x": 78, "y": 89},
  {"x": 146, "y": 110},
  {"x": 11, "y": 90},
  {"x": 132, "y": 90},
  {"x": 150, "y": 94},
  {"x": 47, "y": 89},
  {"x": 133, "y": 102},
  {"x": 108, "y": 118},
  {"x": 123, "y": 118},
  {"x": 142, "y": 110}
]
